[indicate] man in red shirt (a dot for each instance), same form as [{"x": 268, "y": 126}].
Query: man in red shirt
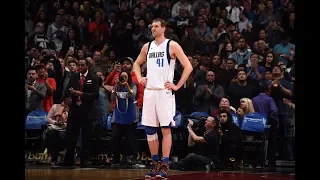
[
  {"x": 50, "y": 84},
  {"x": 126, "y": 64}
]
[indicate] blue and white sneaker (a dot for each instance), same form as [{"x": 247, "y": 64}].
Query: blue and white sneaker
[
  {"x": 163, "y": 171},
  {"x": 153, "y": 170}
]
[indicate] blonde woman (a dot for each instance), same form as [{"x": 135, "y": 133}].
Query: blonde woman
[{"x": 246, "y": 107}]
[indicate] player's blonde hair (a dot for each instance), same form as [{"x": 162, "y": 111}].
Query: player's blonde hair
[{"x": 162, "y": 22}]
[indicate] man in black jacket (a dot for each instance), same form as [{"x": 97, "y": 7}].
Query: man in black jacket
[
  {"x": 84, "y": 88},
  {"x": 231, "y": 145}
]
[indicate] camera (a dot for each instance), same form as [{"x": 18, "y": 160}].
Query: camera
[
  {"x": 121, "y": 79},
  {"x": 198, "y": 121}
]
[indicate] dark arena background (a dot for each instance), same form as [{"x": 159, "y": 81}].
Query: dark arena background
[{"x": 243, "y": 56}]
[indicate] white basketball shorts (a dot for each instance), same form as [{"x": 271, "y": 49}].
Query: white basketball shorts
[{"x": 159, "y": 108}]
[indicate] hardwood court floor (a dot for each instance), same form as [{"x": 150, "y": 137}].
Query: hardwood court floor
[{"x": 137, "y": 174}]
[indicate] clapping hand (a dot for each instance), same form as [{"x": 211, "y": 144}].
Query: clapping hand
[
  {"x": 208, "y": 89},
  {"x": 240, "y": 112},
  {"x": 75, "y": 92}
]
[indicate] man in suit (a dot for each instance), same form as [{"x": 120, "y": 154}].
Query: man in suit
[
  {"x": 84, "y": 89},
  {"x": 72, "y": 66},
  {"x": 35, "y": 92}
]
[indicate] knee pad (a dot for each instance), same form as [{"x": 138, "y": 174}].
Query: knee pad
[{"x": 151, "y": 133}]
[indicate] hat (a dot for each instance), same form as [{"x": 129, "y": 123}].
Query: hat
[{"x": 126, "y": 59}]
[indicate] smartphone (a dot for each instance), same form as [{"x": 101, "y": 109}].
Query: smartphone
[{"x": 71, "y": 48}]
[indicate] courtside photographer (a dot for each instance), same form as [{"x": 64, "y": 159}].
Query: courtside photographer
[{"x": 206, "y": 145}]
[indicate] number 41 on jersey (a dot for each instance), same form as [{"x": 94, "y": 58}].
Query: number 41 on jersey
[{"x": 160, "y": 62}]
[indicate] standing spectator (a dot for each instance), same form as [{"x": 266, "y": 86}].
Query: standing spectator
[
  {"x": 84, "y": 88},
  {"x": 208, "y": 95},
  {"x": 181, "y": 4},
  {"x": 269, "y": 15},
  {"x": 240, "y": 89},
  {"x": 255, "y": 71},
  {"x": 265, "y": 105},
  {"x": 86, "y": 11},
  {"x": 234, "y": 10},
  {"x": 35, "y": 92},
  {"x": 242, "y": 54},
  {"x": 57, "y": 32},
  {"x": 281, "y": 88},
  {"x": 71, "y": 42},
  {"x": 124, "y": 117},
  {"x": 203, "y": 33},
  {"x": 126, "y": 65},
  {"x": 284, "y": 51},
  {"x": 50, "y": 84},
  {"x": 72, "y": 68},
  {"x": 39, "y": 39},
  {"x": 99, "y": 23}
]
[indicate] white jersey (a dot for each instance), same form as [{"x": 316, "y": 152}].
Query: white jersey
[{"x": 160, "y": 66}]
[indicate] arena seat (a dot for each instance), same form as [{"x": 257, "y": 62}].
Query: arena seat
[
  {"x": 254, "y": 129},
  {"x": 35, "y": 129},
  {"x": 36, "y": 120}
]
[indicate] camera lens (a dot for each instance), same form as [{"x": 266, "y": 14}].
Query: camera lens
[{"x": 121, "y": 78}]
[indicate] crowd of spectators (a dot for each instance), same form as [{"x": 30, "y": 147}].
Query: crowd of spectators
[{"x": 238, "y": 49}]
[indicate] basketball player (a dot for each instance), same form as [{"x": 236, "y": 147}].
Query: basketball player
[{"x": 159, "y": 100}]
